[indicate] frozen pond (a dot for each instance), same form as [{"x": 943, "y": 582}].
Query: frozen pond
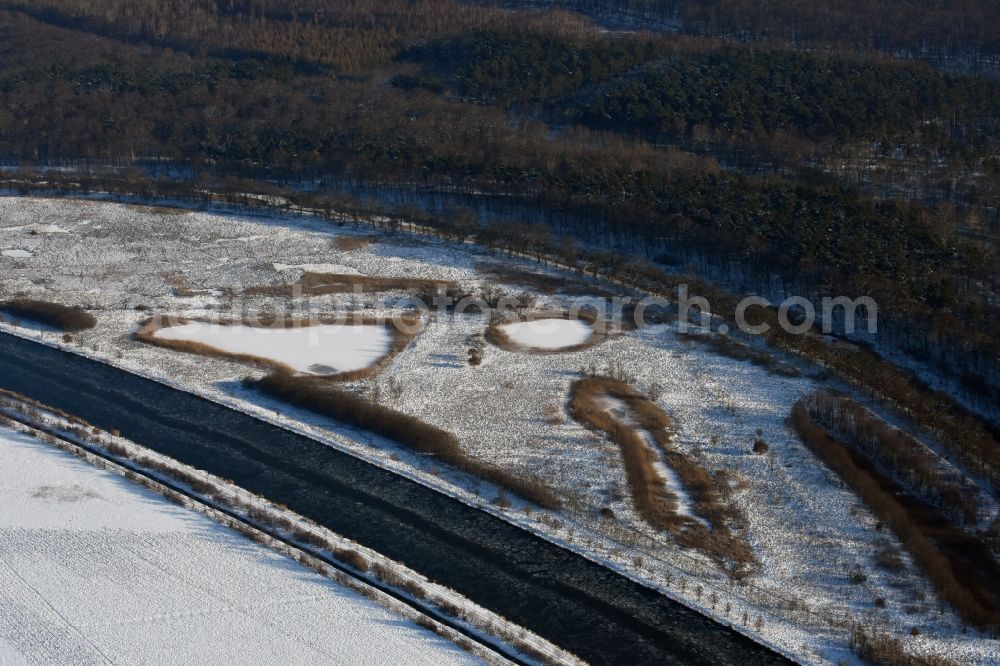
[
  {"x": 548, "y": 334},
  {"x": 320, "y": 350}
]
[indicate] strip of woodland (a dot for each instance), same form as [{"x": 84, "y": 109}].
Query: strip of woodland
[{"x": 971, "y": 593}]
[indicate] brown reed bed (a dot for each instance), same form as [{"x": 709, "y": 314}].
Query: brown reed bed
[
  {"x": 321, "y": 397},
  {"x": 654, "y": 502},
  {"x": 63, "y": 317},
  {"x": 323, "y": 284},
  {"x": 351, "y": 243}
]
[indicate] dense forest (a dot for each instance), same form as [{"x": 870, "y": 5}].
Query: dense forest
[
  {"x": 963, "y": 34},
  {"x": 634, "y": 142},
  {"x": 766, "y": 110},
  {"x": 758, "y": 91}
]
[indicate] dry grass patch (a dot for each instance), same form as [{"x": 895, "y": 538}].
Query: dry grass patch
[
  {"x": 191, "y": 292},
  {"x": 62, "y": 317},
  {"x": 351, "y": 243},
  {"x": 545, "y": 284},
  {"x": 158, "y": 210},
  {"x": 731, "y": 348},
  {"x": 322, "y": 284},
  {"x": 655, "y": 503},
  {"x": 322, "y": 398},
  {"x": 400, "y": 337}
]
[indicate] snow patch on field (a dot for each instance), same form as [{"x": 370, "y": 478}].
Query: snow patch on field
[
  {"x": 336, "y": 269},
  {"x": 320, "y": 350},
  {"x": 16, "y": 254},
  {"x": 549, "y": 334},
  {"x": 118, "y": 574},
  {"x": 40, "y": 228}
]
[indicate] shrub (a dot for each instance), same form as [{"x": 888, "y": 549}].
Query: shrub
[
  {"x": 475, "y": 356},
  {"x": 888, "y": 557},
  {"x": 501, "y": 500},
  {"x": 415, "y": 590},
  {"x": 387, "y": 575},
  {"x": 352, "y": 558},
  {"x": 351, "y": 243},
  {"x": 881, "y": 649},
  {"x": 63, "y": 317}
]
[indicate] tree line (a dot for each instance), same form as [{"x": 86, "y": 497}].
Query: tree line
[
  {"x": 68, "y": 94},
  {"x": 766, "y": 110},
  {"x": 958, "y": 578},
  {"x": 962, "y": 35}
]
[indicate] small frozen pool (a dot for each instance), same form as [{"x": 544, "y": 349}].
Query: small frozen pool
[
  {"x": 319, "y": 350},
  {"x": 548, "y": 334}
]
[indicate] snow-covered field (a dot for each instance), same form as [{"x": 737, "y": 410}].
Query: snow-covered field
[
  {"x": 94, "y": 569},
  {"x": 319, "y": 350},
  {"x": 811, "y": 534}
]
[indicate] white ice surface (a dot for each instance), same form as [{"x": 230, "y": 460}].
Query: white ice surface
[
  {"x": 320, "y": 350},
  {"x": 94, "y": 569},
  {"x": 548, "y": 333}
]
